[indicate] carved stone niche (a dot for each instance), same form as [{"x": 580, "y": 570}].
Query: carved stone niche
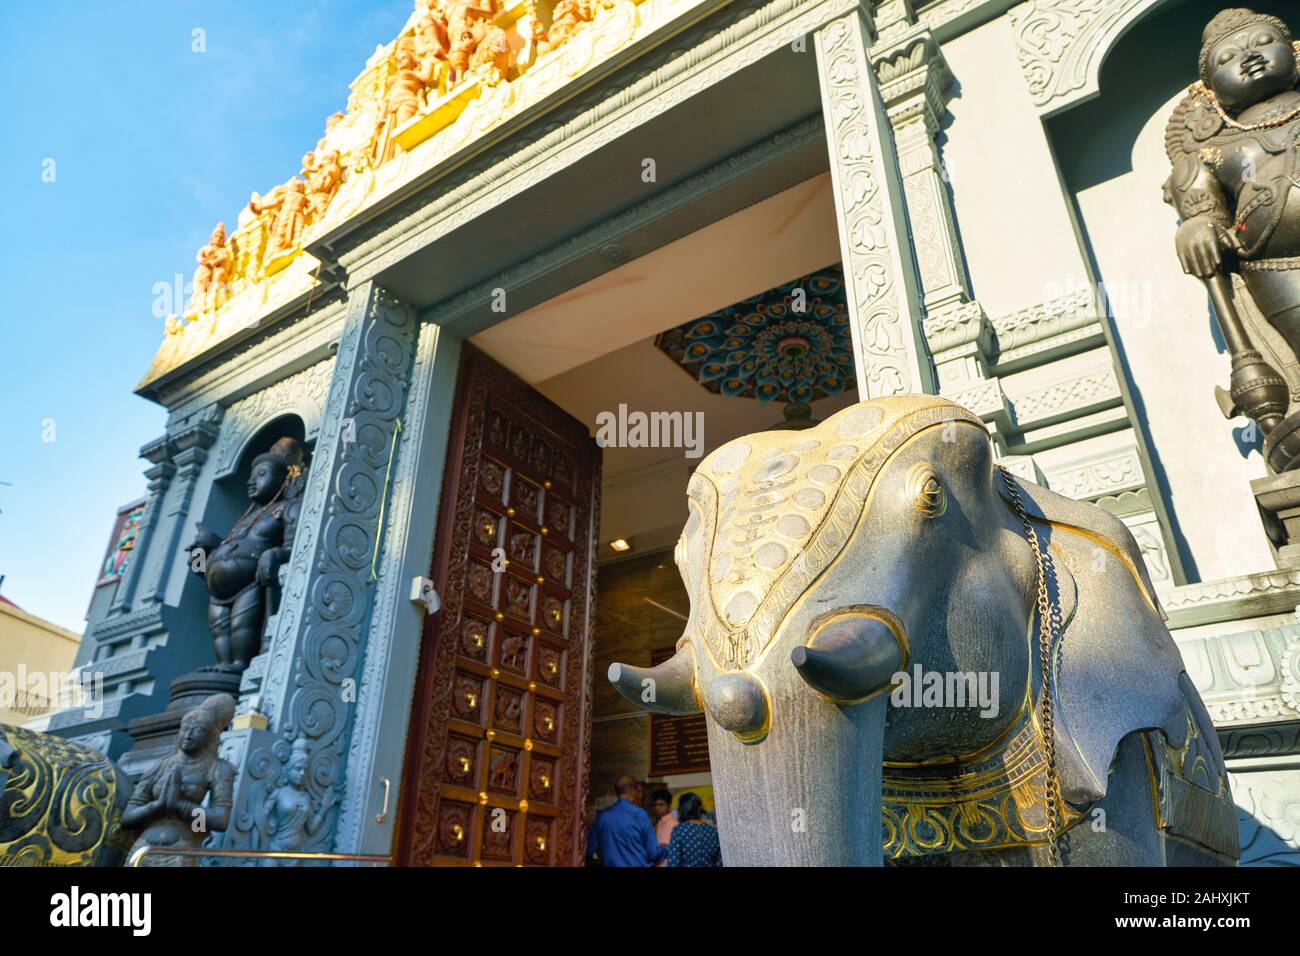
[
  {"x": 1278, "y": 498},
  {"x": 155, "y": 735}
]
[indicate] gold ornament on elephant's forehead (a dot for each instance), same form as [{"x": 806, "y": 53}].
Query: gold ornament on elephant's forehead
[{"x": 771, "y": 511}]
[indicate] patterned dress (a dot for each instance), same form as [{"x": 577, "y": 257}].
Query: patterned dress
[{"x": 694, "y": 844}]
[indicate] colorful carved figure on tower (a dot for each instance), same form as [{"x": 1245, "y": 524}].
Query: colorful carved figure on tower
[
  {"x": 415, "y": 74},
  {"x": 167, "y": 804},
  {"x": 213, "y": 273},
  {"x": 323, "y": 170},
  {"x": 429, "y": 25},
  {"x": 566, "y": 19},
  {"x": 491, "y": 59},
  {"x": 1234, "y": 142},
  {"x": 289, "y": 203},
  {"x": 241, "y": 570},
  {"x": 467, "y": 26},
  {"x": 288, "y": 809},
  {"x": 116, "y": 562}
]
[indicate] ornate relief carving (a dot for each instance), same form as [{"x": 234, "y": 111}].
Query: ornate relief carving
[
  {"x": 320, "y": 632},
  {"x": 1060, "y": 43},
  {"x": 1068, "y": 397},
  {"x": 302, "y": 394},
  {"x": 534, "y": 707},
  {"x": 1046, "y": 320},
  {"x": 873, "y": 235},
  {"x": 1104, "y": 476}
]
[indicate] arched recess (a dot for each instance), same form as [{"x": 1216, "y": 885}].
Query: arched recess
[
  {"x": 229, "y": 496},
  {"x": 301, "y": 395},
  {"x": 1111, "y": 157},
  {"x": 1063, "y": 44}
]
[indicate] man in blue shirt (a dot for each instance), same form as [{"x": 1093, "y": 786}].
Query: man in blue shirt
[{"x": 623, "y": 834}]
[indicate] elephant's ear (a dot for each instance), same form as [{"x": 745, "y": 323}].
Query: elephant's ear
[
  {"x": 1090, "y": 521},
  {"x": 1116, "y": 667}
]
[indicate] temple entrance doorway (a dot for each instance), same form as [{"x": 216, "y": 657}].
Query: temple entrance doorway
[
  {"x": 739, "y": 327},
  {"x": 498, "y": 747}
]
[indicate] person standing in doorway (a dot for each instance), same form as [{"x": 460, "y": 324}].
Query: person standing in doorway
[
  {"x": 661, "y": 803},
  {"x": 623, "y": 833},
  {"x": 694, "y": 842}
]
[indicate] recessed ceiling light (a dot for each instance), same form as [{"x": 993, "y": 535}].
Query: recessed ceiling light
[{"x": 621, "y": 544}]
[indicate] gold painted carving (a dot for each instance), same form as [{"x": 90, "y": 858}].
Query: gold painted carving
[
  {"x": 994, "y": 801},
  {"x": 770, "y": 512}
]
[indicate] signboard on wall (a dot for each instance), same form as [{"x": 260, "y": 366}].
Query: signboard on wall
[{"x": 677, "y": 744}]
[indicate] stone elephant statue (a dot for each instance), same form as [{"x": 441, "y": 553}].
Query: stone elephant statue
[
  {"x": 865, "y": 638},
  {"x": 60, "y": 804}
]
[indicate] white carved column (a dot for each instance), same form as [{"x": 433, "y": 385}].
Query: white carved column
[
  {"x": 880, "y": 277},
  {"x": 916, "y": 85}
]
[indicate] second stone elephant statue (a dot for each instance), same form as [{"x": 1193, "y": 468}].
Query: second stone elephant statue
[
  {"x": 866, "y": 638},
  {"x": 61, "y": 803}
]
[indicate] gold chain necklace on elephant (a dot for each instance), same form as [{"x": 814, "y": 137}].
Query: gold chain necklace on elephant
[{"x": 1045, "y": 666}]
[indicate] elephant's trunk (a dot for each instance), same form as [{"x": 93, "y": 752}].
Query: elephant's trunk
[
  {"x": 810, "y": 793},
  {"x": 668, "y": 688}
]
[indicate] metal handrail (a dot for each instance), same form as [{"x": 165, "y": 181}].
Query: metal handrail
[{"x": 140, "y": 853}]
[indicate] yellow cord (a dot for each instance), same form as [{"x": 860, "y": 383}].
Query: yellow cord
[{"x": 383, "y": 500}]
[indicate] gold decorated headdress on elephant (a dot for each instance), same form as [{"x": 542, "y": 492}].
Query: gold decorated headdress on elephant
[{"x": 771, "y": 511}]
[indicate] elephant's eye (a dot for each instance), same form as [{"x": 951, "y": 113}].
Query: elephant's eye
[{"x": 926, "y": 490}]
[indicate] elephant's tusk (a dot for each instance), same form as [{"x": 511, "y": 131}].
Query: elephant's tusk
[
  {"x": 668, "y": 688},
  {"x": 851, "y": 659}
]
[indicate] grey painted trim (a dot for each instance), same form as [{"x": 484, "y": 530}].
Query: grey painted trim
[
  {"x": 230, "y": 374},
  {"x": 378, "y": 747},
  {"x": 319, "y": 644},
  {"x": 455, "y": 311},
  {"x": 951, "y": 18}
]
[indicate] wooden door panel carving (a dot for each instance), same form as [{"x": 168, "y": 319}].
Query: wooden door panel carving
[{"x": 498, "y": 749}]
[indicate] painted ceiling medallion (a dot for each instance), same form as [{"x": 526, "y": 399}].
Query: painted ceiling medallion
[{"x": 789, "y": 344}]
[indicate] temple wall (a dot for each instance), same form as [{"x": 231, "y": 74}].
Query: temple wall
[{"x": 1020, "y": 244}]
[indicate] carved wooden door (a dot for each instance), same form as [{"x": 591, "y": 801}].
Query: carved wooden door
[{"x": 498, "y": 751}]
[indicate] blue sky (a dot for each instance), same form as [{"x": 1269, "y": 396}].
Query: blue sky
[{"x": 152, "y": 144}]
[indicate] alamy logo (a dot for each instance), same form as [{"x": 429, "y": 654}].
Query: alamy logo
[
  {"x": 626, "y": 429},
  {"x": 102, "y": 909},
  {"x": 923, "y": 688}
]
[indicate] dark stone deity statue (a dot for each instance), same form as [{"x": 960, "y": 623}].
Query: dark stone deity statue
[
  {"x": 1234, "y": 142},
  {"x": 241, "y": 570},
  {"x": 167, "y": 804}
]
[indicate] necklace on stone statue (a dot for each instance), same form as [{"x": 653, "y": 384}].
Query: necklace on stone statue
[{"x": 1243, "y": 127}]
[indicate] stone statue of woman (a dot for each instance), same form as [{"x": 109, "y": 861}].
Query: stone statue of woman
[
  {"x": 167, "y": 803},
  {"x": 288, "y": 809}
]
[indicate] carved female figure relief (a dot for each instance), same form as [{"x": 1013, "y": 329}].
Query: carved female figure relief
[
  {"x": 241, "y": 570},
  {"x": 288, "y": 809}
]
